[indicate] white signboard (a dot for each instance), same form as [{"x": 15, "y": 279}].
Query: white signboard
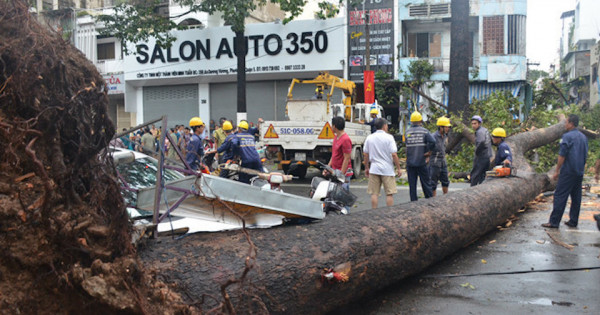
[
  {"x": 115, "y": 83},
  {"x": 503, "y": 72},
  {"x": 309, "y": 45}
]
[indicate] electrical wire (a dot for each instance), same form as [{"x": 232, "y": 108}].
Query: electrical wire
[{"x": 495, "y": 273}]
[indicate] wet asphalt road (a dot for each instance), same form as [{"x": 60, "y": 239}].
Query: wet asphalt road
[{"x": 518, "y": 269}]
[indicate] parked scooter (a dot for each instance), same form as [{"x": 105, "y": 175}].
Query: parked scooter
[{"x": 329, "y": 190}]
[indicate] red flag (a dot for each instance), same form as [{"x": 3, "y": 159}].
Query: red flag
[{"x": 369, "y": 82}]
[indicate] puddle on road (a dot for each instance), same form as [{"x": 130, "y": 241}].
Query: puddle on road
[{"x": 549, "y": 302}]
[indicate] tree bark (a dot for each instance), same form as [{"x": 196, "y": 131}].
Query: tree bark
[
  {"x": 459, "y": 65},
  {"x": 379, "y": 247}
]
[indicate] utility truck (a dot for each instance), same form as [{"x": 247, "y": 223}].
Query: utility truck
[{"x": 307, "y": 136}]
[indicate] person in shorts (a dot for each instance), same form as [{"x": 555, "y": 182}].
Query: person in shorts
[{"x": 381, "y": 154}]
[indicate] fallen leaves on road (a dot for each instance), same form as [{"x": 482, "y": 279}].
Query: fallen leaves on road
[{"x": 468, "y": 285}]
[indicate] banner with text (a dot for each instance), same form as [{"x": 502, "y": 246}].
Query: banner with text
[
  {"x": 381, "y": 38},
  {"x": 299, "y": 46}
]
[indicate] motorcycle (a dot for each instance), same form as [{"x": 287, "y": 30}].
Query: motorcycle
[{"x": 329, "y": 189}]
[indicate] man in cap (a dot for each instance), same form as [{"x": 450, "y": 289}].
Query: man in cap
[
  {"x": 483, "y": 151},
  {"x": 419, "y": 144},
  {"x": 438, "y": 168}
]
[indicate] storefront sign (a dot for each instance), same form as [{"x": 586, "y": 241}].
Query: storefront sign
[
  {"x": 380, "y": 40},
  {"x": 311, "y": 45},
  {"x": 115, "y": 83}
]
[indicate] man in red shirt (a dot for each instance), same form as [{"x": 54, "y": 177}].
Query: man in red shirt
[{"x": 341, "y": 149}]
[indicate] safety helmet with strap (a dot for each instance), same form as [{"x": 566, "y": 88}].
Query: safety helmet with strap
[{"x": 243, "y": 124}]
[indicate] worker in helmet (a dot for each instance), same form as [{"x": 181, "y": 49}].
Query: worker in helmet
[
  {"x": 373, "y": 113},
  {"x": 195, "y": 149},
  {"x": 318, "y": 94},
  {"x": 483, "y": 151},
  {"x": 419, "y": 144},
  {"x": 438, "y": 168},
  {"x": 225, "y": 150},
  {"x": 244, "y": 146},
  {"x": 503, "y": 154}
]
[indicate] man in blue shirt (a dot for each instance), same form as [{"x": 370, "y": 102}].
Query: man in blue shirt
[
  {"x": 569, "y": 172},
  {"x": 419, "y": 144},
  {"x": 195, "y": 149},
  {"x": 245, "y": 147},
  {"x": 503, "y": 154}
]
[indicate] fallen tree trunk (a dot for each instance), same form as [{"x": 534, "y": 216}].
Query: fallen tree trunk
[{"x": 378, "y": 247}]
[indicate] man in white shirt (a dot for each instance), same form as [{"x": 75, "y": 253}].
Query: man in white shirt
[{"x": 380, "y": 156}]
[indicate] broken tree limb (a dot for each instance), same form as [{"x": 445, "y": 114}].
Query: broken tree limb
[
  {"x": 559, "y": 92},
  {"x": 427, "y": 97},
  {"x": 589, "y": 133},
  {"x": 464, "y": 131},
  {"x": 378, "y": 247}
]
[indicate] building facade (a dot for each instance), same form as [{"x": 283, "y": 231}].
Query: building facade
[
  {"x": 496, "y": 47},
  {"x": 581, "y": 31}
]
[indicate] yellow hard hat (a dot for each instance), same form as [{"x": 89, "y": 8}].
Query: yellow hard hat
[
  {"x": 416, "y": 117},
  {"x": 499, "y": 132},
  {"x": 443, "y": 122},
  {"x": 196, "y": 121},
  {"x": 243, "y": 124},
  {"x": 374, "y": 111},
  {"x": 227, "y": 125}
]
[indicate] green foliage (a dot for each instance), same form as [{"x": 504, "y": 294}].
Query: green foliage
[
  {"x": 534, "y": 75},
  {"x": 589, "y": 119},
  {"x": 386, "y": 89},
  {"x": 474, "y": 72},
  {"x": 137, "y": 23},
  {"x": 547, "y": 94},
  {"x": 462, "y": 161},
  {"x": 420, "y": 71},
  {"x": 498, "y": 110}
]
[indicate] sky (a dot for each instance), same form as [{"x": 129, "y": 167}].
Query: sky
[{"x": 543, "y": 30}]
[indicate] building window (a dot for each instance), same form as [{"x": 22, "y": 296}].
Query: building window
[
  {"x": 493, "y": 35},
  {"x": 106, "y": 51},
  {"x": 516, "y": 35},
  {"x": 424, "y": 45}
]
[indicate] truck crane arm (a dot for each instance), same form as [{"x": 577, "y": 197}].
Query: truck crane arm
[{"x": 324, "y": 79}]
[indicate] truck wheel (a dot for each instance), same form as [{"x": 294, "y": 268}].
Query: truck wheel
[
  {"x": 298, "y": 170},
  {"x": 285, "y": 168},
  {"x": 357, "y": 163}
]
